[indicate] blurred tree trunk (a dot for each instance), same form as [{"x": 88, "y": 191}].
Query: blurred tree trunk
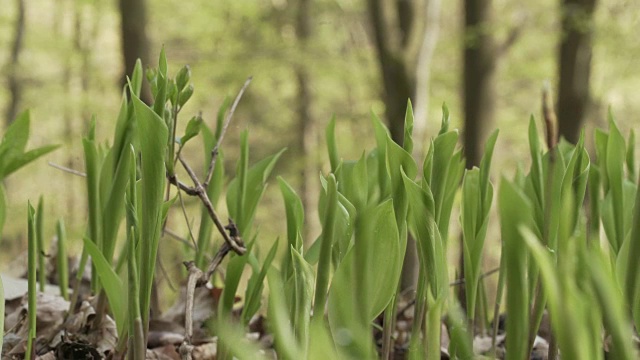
[
  {"x": 13, "y": 81},
  {"x": 135, "y": 43},
  {"x": 423, "y": 76},
  {"x": 399, "y": 29},
  {"x": 403, "y": 38},
  {"x": 480, "y": 61},
  {"x": 574, "y": 66},
  {"x": 306, "y": 128}
]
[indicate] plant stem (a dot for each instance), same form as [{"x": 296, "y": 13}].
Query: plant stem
[
  {"x": 63, "y": 266},
  {"x": 42, "y": 277},
  {"x": 31, "y": 265}
]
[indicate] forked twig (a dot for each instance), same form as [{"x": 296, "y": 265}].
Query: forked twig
[
  {"x": 227, "y": 121},
  {"x": 199, "y": 190}
]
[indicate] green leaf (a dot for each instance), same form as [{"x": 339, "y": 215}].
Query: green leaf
[
  {"x": 330, "y": 133},
  {"x": 614, "y": 166},
  {"x": 610, "y": 299},
  {"x": 407, "y": 143},
  {"x": 193, "y": 129},
  {"x": 185, "y": 95},
  {"x": 328, "y": 234},
  {"x": 111, "y": 283},
  {"x": 183, "y": 77},
  {"x": 162, "y": 63},
  {"x": 113, "y": 205},
  {"x": 377, "y": 255},
  {"x": 515, "y": 211},
  {"x": 279, "y": 323},
  {"x": 245, "y": 191},
  {"x": 303, "y": 279},
  {"x": 353, "y": 182},
  {"x": 294, "y": 213},
  {"x": 23, "y": 159},
  {"x": 152, "y": 137},
  {"x": 234, "y": 270},
  {"x": 17, "y": 134},
  {"x": 136, "y": 78},
  {"x": 253, "y": 293}
]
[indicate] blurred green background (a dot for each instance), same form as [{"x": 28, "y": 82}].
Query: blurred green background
[{"x": 310, "y": 60}]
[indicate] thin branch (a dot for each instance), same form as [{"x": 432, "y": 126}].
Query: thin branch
[
  {"x": 66, "y": 169},
  {"x": 195, "y": 275},
  {"x": 236, "y": 243},
  {"x": 196, "y": 279},
  {"x": 227, "y": 120},
  {"x": 186, "y": 219},
  {"x": 175, "y": 236}
]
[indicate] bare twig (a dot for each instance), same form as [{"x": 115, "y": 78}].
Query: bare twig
[
  {"x": 236, "y": 242},
  {"x": 227, "y": 120},
  {"x": 66, "y": 169},
  {"x": 186, "y": 219},
  {"x": 172, "y": 234},
  {"x": 195, "y": 275},
  {"x": 196, "y": 279}
]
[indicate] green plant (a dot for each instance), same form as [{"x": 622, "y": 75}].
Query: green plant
[
  {"x": 13, "y": 155},
  {"x": 552, "y": 257},
  {"x": 31, "y": 266}
]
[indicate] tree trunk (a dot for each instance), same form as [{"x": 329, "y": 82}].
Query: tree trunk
[
  {"x": 13, "y": 80},
  {"x": 306, "y": 128},
  {"x": 574, "y": 66},
  {"x": 135, "y": 44},
  {"x": 480, "y": 60},
  {"x": 404, "y": 42}
]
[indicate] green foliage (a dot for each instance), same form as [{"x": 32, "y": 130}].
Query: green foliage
[
  {"x": 13, "y": 155},
  {"x": 552, "y": 257}
]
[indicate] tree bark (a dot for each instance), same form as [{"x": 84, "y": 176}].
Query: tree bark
[
  {"x": 306, "y": 128},
  {"x": 480, "y": 59},
  {"x": 135, "y": 43},
  {"x": 574, "y": 66},
  {"x": 13, "y": 80}
]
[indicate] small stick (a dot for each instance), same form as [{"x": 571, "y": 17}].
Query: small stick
[
  {"x": 66, "y": 169},
  {"x": 172, "y": 234},
  {"x": 227, "y": 120},
  {"x": 236, "y": 244},
  {"x": 196, "y": 279},
  {"x": 195, "y": 275}
]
